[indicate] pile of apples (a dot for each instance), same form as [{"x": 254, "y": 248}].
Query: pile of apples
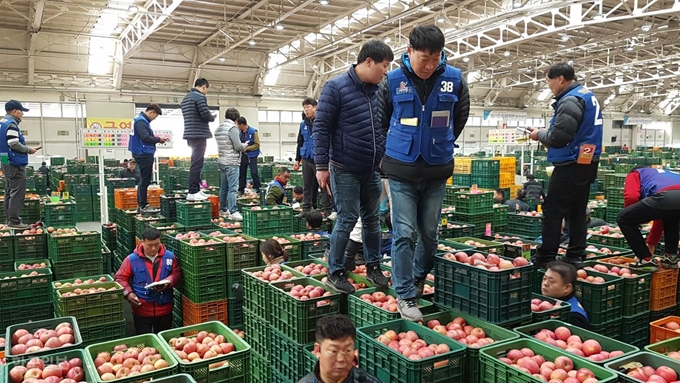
[
  {"x": 461, "y": 332},
  {"x": 109, "y": 225},
  {"x": 613, "y": 232},
  {"x": 203, "y": 346},
  {"x": 307, "y": 237},
  {"x": 234, "y": 240},
  {"x": 67, "y": 232},
  {"x": 582, "y": 275},
  {"x": 663, "y": 374},
  {"x": 4, "y": 233},
  {"x": 280, "y": 240},
  {"x": 442, "y": 247},
  {"x": 448, "y": 210},
  {"x": 171, "y": 226},
  {"x": 272, "y": 273},
  {"x": 673, "y": 326},
  {"x": 312, "y": 269},
  {"x": 240, "y": 333},
  {"x": 188, "y": 235},
  {"x": 615, "y": 270},
  {"x": 519, "y": 242},
  {"x": 603, "y": 250},
  {"x": 382, "y": 300},
  {"x": 411, "y": 346},
  {"x": 491, "y": 262},
  {"x": 35, "y": 228},
  {"x": 475, "y": 243},
  {"x": 530, "y": 213},
  {"x": 128, "y": 361},
  {"x": 203, "y": 242},
  {"x": 31, "y": 274},
  {"x": 504, "y": 237},
  {"x": 264, "y": 208},
  {"x": 86, "y": 291},
  {"x": 23, "y": 266},
  {"x": 23, "y": 342},
  {"x": 228, "y": 225},
  {"x": 560, "y": 371},
  {"x": 304, "y": 293},
  {"x": 79, "y": 282},
  {"x": 538, "y": 305},
  {"x": 589, "y": 348},
  {"x": 35, "y": 370}
]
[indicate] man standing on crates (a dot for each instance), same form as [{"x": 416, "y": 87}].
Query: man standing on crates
[
  {"x": 424, "y": 106},
  {"x": 148, "y": 276},
  {"x": 574, "y": 142},
  {"x": 142, "y": 145}
]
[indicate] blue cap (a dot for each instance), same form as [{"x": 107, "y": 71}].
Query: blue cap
[{"x": 14, "y": 105}]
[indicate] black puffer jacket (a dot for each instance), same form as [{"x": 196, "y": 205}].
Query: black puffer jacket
[
  {"x": 568, "y": 116},
  {"x": 534, "y": 189},
  {"x": 196, "y": 115},
  {"x": 357, "y": 375}
]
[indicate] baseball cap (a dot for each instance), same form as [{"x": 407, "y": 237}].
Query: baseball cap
[
  {"x": 14, "y": 105},
  {"x": 132, "y": 162}
]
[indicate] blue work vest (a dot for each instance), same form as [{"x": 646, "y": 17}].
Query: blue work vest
[
  {"x": 249, "y": 136},
  {"x": 307, "y": 149},
  {"x": 589, "y": 130},
  {"x": 141, "y": 278},
  {"x": 275, "y": 184},
  {"x": 576, "y": 307},
  {"x": 135, "y": 143},
  {"x": 653, "y": 180},
  {"x": 15, "y": 158},
  {"x": 414, "y": 131}
]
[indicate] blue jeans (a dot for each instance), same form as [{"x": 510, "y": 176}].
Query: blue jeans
[
  {"x": 417, "y": 208},
  {"x": 228, "y": 187},
  {"x": 355, "y": 195}
]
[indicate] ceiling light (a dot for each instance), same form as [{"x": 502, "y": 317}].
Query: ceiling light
[
  {"x": 517, "y": 4},
  {"x": 490, "y": 104},
  {"x": 387, "y": 40},
  {"x": 466, "y": 59},
  {"x": 133, "y": 8},
  {"x": 314, "y": 66},
  {"x": 222, "y": 59},
  {"x": 118, "y": 30},
  {"x": 544, "y": 94},
  {"x": 642, "y": 110},
  {"x": 323, "y": 2},
  {"x": 353, "y": 53},
  {"x": 565, "y": 37},
  {"x": 252, "y": 42},
  {"x": 570, "y": 62},
  {"x": 279, "y": 26},
  {"x": 506, "y": 53},
  {"x": 93, "y": 83},
  {"x": 440, "y": 19},
  {"x": 598, "y": 16},
  {"x": 425, "y": 8},
  {"x": 646, "y": 28},
  {"x": 629, "y": 48}
]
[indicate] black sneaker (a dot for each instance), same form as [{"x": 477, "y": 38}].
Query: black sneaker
[
  {"x": 338, "y": 282},
  {"x": 644, "y": 265},
  {"x": 419, "y": 284},
  {"x": 541, "y": 263},
  {"x": 376, "y": 276},
  {"x": 18, "y": 226},
  {"x": 670, "y": 262},
  {"x": 576, "y": 262}
]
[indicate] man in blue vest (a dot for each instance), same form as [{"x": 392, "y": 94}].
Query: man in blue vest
[
  {"x": 559, "y": 283},
  {"x": 424, "y": 106},
  {"x": 150, "y": 263},
  {"x": 142, "y": 145},
  {"x": 305, "y": 156},
  {"x": 14, "y": 155},
  {"x": 249, "y": 137},
  {"x": 574, "y": 142},
  {"x": 651, "y": 195},
  {"x": 348, "y": 147}
]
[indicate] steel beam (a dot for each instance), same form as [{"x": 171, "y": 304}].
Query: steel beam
[{"x": 145, "y": 24}]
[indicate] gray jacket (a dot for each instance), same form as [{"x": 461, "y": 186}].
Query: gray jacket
[
  {"x": 229, "y": 146},
  {"x": 196, "y": 115}
]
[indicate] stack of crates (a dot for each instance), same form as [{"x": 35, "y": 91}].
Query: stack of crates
[
  {"x": 474, "y": 208},
  {"x": 613, "y": 188},
  {"x": 485, "y": 173},
  {"x": 82, "y": 193},
  {"x": 75, "y": 255},
  {"x": 96, "y": 201},
  {"x": 507, "y": 172},
  {"x": 125, "y": 198},
  {"x": 462, "y": 167},
  {"x": 6, "y": 251},
  {"x": 194, "y": 214},
  {"x": 525, "y": 224},
  {"x": 259, "y": 221},
  {"x": 100, "y": 315},
  {"x": 116, "y": 183},
  {"x": 204, "y": 281},
  {"x": 143, "y": 221},
  {"x": 60, "y": 214},
  {"x": 153, "y": 197},
  {"x": 168, "y": 207},
  {"x": 500, "y": 217},
  {"x": 292, "y": 246},
  {"x": 125, "y": 219},
  {"x": 211, "y": 173},
  {"x": 29, "y": 213},
  {"x": 40, "y": 181},
  {"x": 265, "y": 172},
  {"x": 25, "y": 298}
]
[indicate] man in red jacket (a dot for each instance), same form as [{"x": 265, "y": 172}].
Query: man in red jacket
[
  {"x": 651, "y": 195},
  {"x": 150, "y": 262}
]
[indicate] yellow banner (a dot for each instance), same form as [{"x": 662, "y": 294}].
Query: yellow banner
[{"x": 109, "y": 123}]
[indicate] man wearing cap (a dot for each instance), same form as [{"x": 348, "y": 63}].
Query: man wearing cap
[
  {"x": 14, "y": 156},
  {"x": 142, "y": 145},
  {"x": 130, "y": 172}
]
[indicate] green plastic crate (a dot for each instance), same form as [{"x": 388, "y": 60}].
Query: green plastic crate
[
  {"x": 607, "y": 240},
  {"x": 498, "y": 334},
  {"x": 287, "y": 358},
  {"x": 268, "y": 221},
  {"x": 235, "y": 312},
  {"x": 391, "y": 367},
  {"x": 56, "y": 358},
  {"x": 31, "y": 210},
  {"x": 485, "y": 181},
  {"x": 126, "y": 220},
  {"x": 525, "y": 225},
  {"x": 235, "y": 371},
  {"x": 636, "y": 293},
  {"x": 141, "y": 341},
  {"x": 256, "y": 291},
  {"x": 204, "y": 287},
  {"x": 647, "y": 359},
  {"x": 33, "y": 246},
  {"x": 31, "y": 327},
  {"x": 91, "y": 309},
  {"x": 473, "y": 203},
  {"x": 242, "y": 254},
  {"x": 309, "y": 358},
  {"x": 193, "y": 213},
  {"x": 78, "y": 269},
  {"x": 25, "y": 313},
  {"x": 602, "y": 302},
  {"x": 607, "y": 343},
  {"x": 48, "y": 264},
  {"x": 296, "y": 318},
  {"x": 494, "y": 370},
  {"x": 60, "y": 214},
  {"x": 664, "y": 347},
  {"x": 169, "y": 207},
  {"x": 635, "y": 330},
  {"x": 489, "y": 246},
  {"x": 293, "y": 248},
  {"x": 496, "y": 296},
  {"x": 78, "y": 247},
  {"x": 196, "y": 259},
  {"x": 314, "y": 246},
  {"x": 560, "y": 313},
  {"x": 61, "y": 282},
  {"x": 257, "y": 333},
  {"x": 449, "y": 246},
  {"x": 615, "y": 181},
  {"x": 143, "y": 221},
  {"x": 364, "y": 314},
  {"x": 485, "y": 167},
  {"x": 104, "y": 332},
  {"x": 18, "y": 290},
  {"x": 6, "y": 246}
]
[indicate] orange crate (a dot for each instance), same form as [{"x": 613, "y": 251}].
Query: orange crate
[
  {"x": 214, "y": 206},
  {"x": 153, "y": 197},
  {"x": 664, "y": 289},
  {"x": 125, "y": 198},
  {"x": 507, "y": 164},
  {"x": 658, "y": 333},
  {"x": 193, "y": 313},
  {"x": 507, "y": 180},
  {"x": 462, "y": 165}
]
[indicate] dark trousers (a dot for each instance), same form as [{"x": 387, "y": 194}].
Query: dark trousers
[
  {"x": 145, "y": 164},
  {"x": 245, "y": 163},
  {"x": 197, "y": 146},
  {"x": 15, "y": 192},
  {"x": 149, "y": 325},
  {"x": 664, "y": 206},
  {"x": 567, "y": 199},
  {"x": 311, "y": 189}
]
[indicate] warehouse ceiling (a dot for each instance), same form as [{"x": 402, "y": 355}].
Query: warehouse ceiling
[{"x": 627, "y": 51}]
